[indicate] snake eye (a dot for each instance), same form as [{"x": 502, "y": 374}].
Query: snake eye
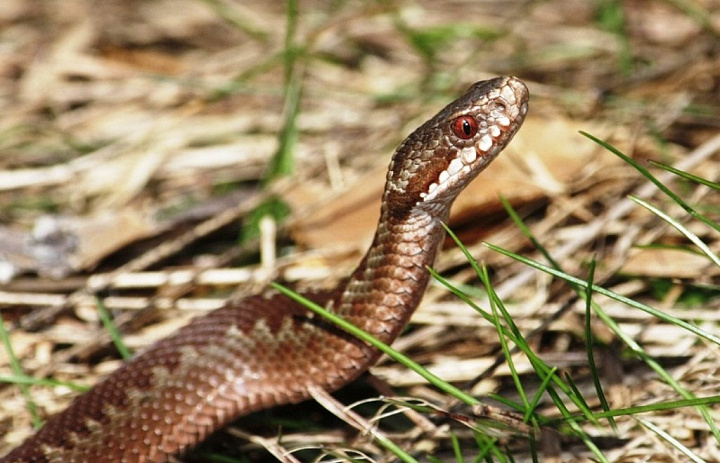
[{"x": 464, "y": 127}]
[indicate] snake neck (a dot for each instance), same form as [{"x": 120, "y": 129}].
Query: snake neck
[{"x": 389, "y": 282}]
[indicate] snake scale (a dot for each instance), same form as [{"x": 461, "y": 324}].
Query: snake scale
[{"x": 268, "y": 350}]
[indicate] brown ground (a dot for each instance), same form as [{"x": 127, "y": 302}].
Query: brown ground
[{"x": 134, "y": 134}]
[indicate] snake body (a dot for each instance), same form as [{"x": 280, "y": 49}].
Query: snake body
[{"x": 268, "y": 350}]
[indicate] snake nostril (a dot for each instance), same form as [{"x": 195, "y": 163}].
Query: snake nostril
[{"x": 266, "y": 349}]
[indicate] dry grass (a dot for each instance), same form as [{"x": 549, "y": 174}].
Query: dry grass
[{"x": 135, "y": 135}]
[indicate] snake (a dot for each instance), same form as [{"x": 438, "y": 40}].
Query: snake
[{"x": 268, "y": 349}]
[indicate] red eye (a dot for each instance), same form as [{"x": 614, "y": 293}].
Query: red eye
[{"x": 464, "y": 127}]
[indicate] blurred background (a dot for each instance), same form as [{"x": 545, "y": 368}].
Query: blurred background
[{"x": 143, "y": 141}]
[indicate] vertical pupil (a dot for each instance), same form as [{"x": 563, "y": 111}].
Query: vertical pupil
[{"x": 464, "y": 127}]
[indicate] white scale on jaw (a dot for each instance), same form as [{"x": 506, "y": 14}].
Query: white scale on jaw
[
  {"x": 462, "y": 162},
  {"x": 468, "y": 155}
]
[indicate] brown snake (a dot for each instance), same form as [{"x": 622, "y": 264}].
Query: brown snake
[{"x": 268, "y": 350}]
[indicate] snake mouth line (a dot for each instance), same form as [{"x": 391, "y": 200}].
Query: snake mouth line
[
  {"x": 497, "y": 126},
  {"x": 266, "y": 349}
]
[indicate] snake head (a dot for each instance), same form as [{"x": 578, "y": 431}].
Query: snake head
[{"x": 442, "y": 156}]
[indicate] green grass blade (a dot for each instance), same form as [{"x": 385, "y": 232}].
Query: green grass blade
[
  {"x": 698, "y": 13},
  {"x": 646, "y": 173},
  {"x": 457, "y": 449},
  {"x": 392, "y": 353},
  {"x": 576, "y": 391},
  {"x": 527, "y": 233},
  {"x": 282, "y": 163},
  {"x": 575, "y": 427},
  {"x": 610, "y": 323},
  {"x": 686, "y": 175},
  {"x": 681, "y": 228},
  {"x": 508, "y": 355},
  {"x": 384, "y": 348},
  {"x": 231, "y": 16},
  {"x": 394, "y": 448},
  {"x": 589, "y": 343},
  {"x": 658, "y": 407},
  {"x": 671, "y": 440},
  {"x": 606, "y": 292},
  {"x": 539, "y": 393},
  {"x": 112, "y": 329},
  {"x": 19, "y": 373},
  {"x": 29, "y": 380},
  {"x": 540, "y": 367},
  {"x": 635, "y": 347}
]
